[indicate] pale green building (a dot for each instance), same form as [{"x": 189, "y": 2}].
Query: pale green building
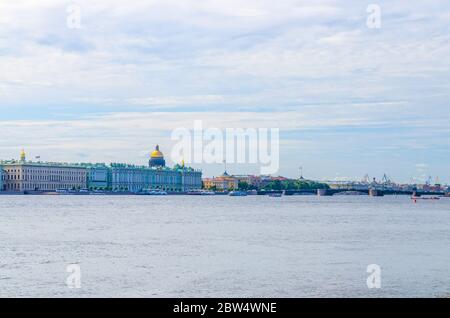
[{"x": 23, "y": 175}]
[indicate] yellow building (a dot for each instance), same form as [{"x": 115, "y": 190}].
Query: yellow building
[{"x": 224, "y": 182}]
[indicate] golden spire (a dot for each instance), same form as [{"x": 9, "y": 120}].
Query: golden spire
[
  {"x": 22, "y": 155},
  {"x": 182, "y": 163}
]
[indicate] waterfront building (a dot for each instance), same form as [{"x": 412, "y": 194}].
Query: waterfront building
[
  {"x": 252, "y": 181},
  {"x": 227, "y": 182},
  {"x": 2, "y": 178},
  {"x": 25, "y": 175},
  {"x": 133, "y": 178},
  {"x": 224, "y": 182},
  {"x": 98, "y": 176},
  {"x": 156, "y": 176},
  {"x": 191, "y": 179},
  {"x": 266, "y": 180}
]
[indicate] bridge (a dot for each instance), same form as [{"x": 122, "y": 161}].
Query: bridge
[{"x": 372, "y": 192}]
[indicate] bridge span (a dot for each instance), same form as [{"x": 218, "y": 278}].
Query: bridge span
[{"x": 371, "y": 192}]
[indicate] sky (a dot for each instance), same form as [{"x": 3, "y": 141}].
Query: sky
[{"x": 349, "y": 100}]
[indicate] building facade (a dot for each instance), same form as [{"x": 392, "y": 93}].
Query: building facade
[
  {"x": 135, "y": 178},
  {"x": 98, "y": 176},
  {"x": 2, "y": 179},
  {"x": 191, "y": 179},
  {"x": 156, "y": 176},
  {"x": 224, "y": 182},
  {"x": 252, "y": 181},
  {"x": 23, "y": 175}
]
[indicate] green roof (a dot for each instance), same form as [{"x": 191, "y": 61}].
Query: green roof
[
  {"x": 88, "y": 165},
  {"x": 40, "y": 164}
]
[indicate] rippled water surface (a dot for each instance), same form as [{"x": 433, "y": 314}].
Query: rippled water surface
[{"x": 193, "y": 246}]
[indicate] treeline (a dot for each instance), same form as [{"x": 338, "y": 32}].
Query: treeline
[{"x": 288, "y": 185}]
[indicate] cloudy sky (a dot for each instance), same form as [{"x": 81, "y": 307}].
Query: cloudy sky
[{"x": 348, "y": 99}]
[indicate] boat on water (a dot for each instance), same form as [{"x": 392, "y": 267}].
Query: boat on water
[
  {"x": 275, "y": 195},
  {"x": 237, "y": 194},
  {"x": 415, "y": 198},
  {"x": 153, "y": 192},
  {"x": 208, "y": 193},
  {"x": 201, "y": 193},
  {"x": 96, "y": 192},
  {"x": 65, "y": 192}
]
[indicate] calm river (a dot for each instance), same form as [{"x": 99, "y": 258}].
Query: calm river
[{"x": 218, "y": 246}]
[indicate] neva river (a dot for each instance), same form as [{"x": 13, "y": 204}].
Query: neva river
[{"x": 214, "y": 246}]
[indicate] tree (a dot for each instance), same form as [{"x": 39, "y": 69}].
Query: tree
[
  {"x": 277, "y": 185},
  {"x": 242, "y": 185},
  {"x": 295, "y": 185}
]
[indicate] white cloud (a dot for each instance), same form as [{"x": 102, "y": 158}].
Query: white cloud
[
  {"x": 176, "y": 100},
  {"x": 214, "y": 48},
  {"x": 294, "y": 64}
]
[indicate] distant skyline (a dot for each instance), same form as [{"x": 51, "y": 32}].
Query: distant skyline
[{"x": 349, "y": 100}]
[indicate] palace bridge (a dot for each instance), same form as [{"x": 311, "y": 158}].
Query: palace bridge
[{"x": 372, "y": 192}]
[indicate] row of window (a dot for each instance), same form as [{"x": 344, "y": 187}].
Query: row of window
[
  {"x": 35, "y": 171},
  {"x": 128, "y": 178},
  {"x": 137, "y": 188},
  {"x": 45, "y": 178},
  {"x": 38, "y": 186}
]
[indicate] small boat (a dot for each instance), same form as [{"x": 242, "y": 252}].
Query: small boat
[
  {"x": 201, "y": 193},
  {"x": 152, "y": 192},
  {"x": 97, "y": 193},
  {"x": 275, "y": 195},
  {"x": 415, "y": 198},
  {"x": 237, "y": 194},
  {"x": 208, "y": 193},
  {"x": 64, "y": 192},
  {"x": 158, "y": 193}
]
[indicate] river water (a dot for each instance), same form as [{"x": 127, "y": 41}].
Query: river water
[{"x": 218, "y": 246}]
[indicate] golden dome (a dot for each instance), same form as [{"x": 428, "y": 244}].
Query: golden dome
[{"x": 156, "y": 153}]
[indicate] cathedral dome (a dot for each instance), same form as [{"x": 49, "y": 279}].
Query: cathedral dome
[
  {"x": 157, "y": 158},
  {"x": 156, "y": 153}
]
